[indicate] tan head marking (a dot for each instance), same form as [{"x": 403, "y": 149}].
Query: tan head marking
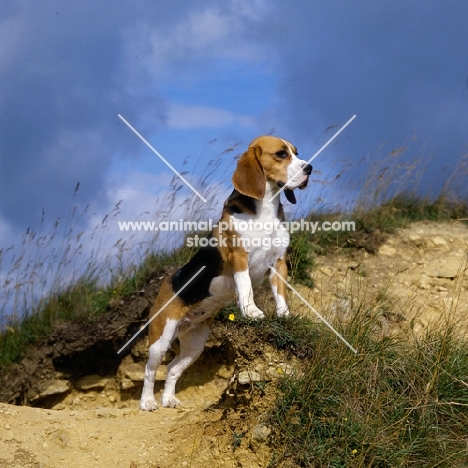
[{"x": 249, "y": 176}]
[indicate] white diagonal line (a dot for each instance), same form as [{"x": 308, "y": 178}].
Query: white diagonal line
[
  {"x": 162, "y": 159},
  {"x": 315, "y": 312},
  {"x": 161, "y": 309},
  {"x": 314, "y": 156}
]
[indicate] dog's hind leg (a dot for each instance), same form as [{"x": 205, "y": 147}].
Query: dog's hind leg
[
  {"x": 192, "y": 343},
  {"x": 156, "y": 353}
]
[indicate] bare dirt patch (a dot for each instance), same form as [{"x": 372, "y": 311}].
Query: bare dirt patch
[
  {"x": 86, "y": 398},
  {"x": 223, "y": 420},
  {"x": 417, "y": 278}
]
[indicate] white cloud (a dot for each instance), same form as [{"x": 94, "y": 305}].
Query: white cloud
[
  {"x": 190, "y": 116},
  {"x": 207, "y": 33},
  {"x": 216, "y": 32},
  {"x": 138, "y": 197}
]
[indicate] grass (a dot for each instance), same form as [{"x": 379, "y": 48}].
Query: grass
[
  {"x": 84, "y": 297},
  {"x": 291, "y": 334},
  {"x": 66, "y": 276},
  {"x": 85, "y": 300},
  {"x": 393, "y": 404},
  {"x": 396, "y": 403},
  {"x": 301, "y": 259}
]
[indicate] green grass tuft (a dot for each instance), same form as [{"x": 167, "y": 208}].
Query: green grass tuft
[
  {"x": 301, "y": 258},
  {"x": 393, "y": 404},
  {"x": 84, "y": 301}
]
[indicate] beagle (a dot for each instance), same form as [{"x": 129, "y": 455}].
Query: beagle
[{"x": 188, "y": 301}]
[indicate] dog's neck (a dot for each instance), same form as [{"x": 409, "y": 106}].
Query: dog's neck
[{"x": 266, "y": 206}]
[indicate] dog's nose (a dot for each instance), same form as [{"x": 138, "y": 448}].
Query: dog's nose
[{"x": 307, "y": 169}]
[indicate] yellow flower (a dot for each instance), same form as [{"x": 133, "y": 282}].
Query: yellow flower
[
  {"x": 231, "y": 317},
  {"x": 354, "y": 451}
]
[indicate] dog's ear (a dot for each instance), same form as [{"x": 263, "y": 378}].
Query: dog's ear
[
  {"x": 249, "y": 177},
  {"x": 290, "y": 196}
]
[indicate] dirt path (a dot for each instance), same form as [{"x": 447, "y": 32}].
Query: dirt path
[
  {"x": 95, "y": 421},
  {"x": 31, "y": 437}
]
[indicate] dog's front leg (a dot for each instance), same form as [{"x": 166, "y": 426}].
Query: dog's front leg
[
  {"x": 244, "y": 290},
  {"x": 278, "y": 276}
]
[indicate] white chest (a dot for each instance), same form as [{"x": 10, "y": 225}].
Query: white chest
[{"x": 262, "y": 236}]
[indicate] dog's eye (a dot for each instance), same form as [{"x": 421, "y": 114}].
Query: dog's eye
[{"x": 282, "y": 154}]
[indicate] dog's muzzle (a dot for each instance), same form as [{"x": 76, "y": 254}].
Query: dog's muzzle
[{"x": 307, "y": 169}]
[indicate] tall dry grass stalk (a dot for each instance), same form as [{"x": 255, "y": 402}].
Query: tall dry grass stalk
[
  {"x": 83, "y": 250},
  {"x": 81, "y": 254}
]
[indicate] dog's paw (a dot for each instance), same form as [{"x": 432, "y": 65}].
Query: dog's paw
[
  {"x": 253, "y": 312},
  {"x": 282, "y": 311},
  {"x": 149, "y": 404},
  {"x": 169, "y": 401}
]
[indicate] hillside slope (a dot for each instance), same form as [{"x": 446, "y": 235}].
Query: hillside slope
[{"x": 417, "y": 278}]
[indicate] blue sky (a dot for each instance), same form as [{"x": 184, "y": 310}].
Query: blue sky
[{"x": 186, "y": 73}]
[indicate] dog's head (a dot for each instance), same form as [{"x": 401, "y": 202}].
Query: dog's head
[{"x": 270, "y": 159}]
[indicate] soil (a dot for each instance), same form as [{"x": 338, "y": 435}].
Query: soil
[
  {"x": 223, "y": 420},
  {"x": 417, "y": 278},
  {"x": 73, "y": 401}
]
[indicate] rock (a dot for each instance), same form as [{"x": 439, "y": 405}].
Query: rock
[
  {"x": 56, "y": 387},
  {"x": 341, "y": 306},
  {"x": 394, "y": 317},
  {"x": 280, "y": 370},
  {"x": 443, "y": 272},
  {"x": 105, "y": 413},
  {"x": 132, "y": 371},
  {"x": 91, "y": 382},
  {"x": 274, "y": 372},
  {"x": 225, "y": 372},
  {"x": 286, "y": 369},
  {"x": 140, "y": 350},
  {"x": 161, "y": 373},
  {"x": 437, "y": 242},
  {"x": 245, "y": 377},
  {"x": 424, "y": 285},
  {"x": 387, "y": 251},
  {"x": 416, "y": 239},
  {"x": 126, "y": 384},
  {"x": 328, "y": 271},
  {"x": 392, "y": 323},
  {"x": 135, "y": 375},
  {"x": 61, "y": 438},
  {"x": 260, "y": 434}
]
